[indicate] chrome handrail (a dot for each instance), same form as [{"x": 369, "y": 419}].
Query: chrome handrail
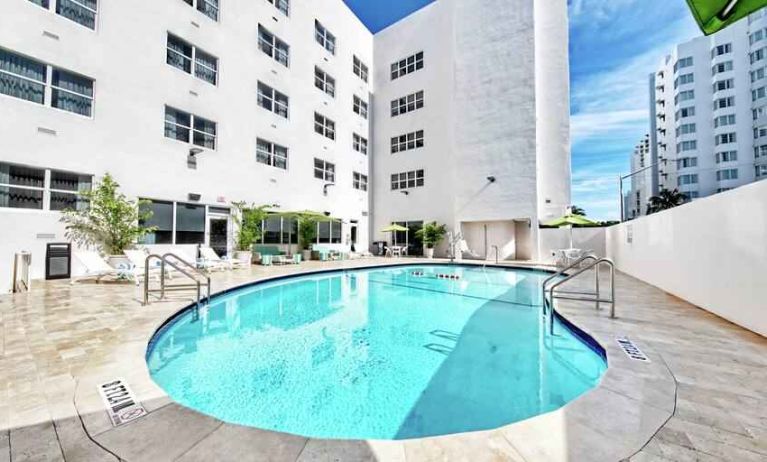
[
  {"x": 496, "y": 252},
  {"x": 597, "y": 295},
  {"x": 194, "y": 275},
  {"x": 562, "y": 272}
]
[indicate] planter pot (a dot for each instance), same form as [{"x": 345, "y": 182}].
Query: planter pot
[
  {"x": 245, "y": 256},
  {"x": 429, "y": 252},
  {"x": 306, "y": 255},
  {"x": 119, "y": 261}
]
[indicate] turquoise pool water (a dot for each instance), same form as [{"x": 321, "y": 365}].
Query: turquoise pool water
[{"x": 388, "y": 353}]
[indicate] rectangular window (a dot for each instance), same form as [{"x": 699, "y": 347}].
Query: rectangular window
[
  {"x": 760, "y": 151},
  {"x": 161, "y": 219},
  {"x": 324, "y": 82},
  {"x": 724, "y": 120},
  {"x": 726, "y": 156},
  {"x": 756, "y": 36},
  {"x": 685, "y": 112},
  {"x": 189, "y": 128},
  {"x": 407, "y": 104},
  {"x": 324, "y": 126},
  {"x": 407, "y": 66},
  {"x": 406, "y": 142},
  {"x": 726, "y": 84},
  {"x": 66, "y": 190},
  {"x": 761, "y": 171},
  {"x": 360, "y": 107},
  {"x": 359, "y": 144},
  {"x": 21, "y": 187},
  {"x": 324, "y": 170},
  {"x": 728, "y": 174},
  {"x": 687, "y": 162},
  {"x": 407, "y": 180},
  {"x": 183, "y": 55},
  {"x": 757, "y": 55},
  {"x": 271, "y": 154},
  {"x": 329, "y": 232},
  {"x": 687, "y": 179},
  {"x": 207, "y": 7},
  {"x": 71, "y": 92},
  {"x": 282, "y": 5},
  {"x": 324, "y": 37},
  {"x": 721, "y": 67},
  {"x": 757, "y": 74},
  {"x": 190, "y": 223},
  {"x": 272, "y": 100},
  {"x": 722, "y": 103},
  {"x": 684, "y": 79},
  {"x": 360, "y": 181},
  {"x": 686, "y": 95},
  {"x": 760, "y": 132},
  {"x": 758, "y": 93},
  {"x": 273, "y": 46},
  {"x": 721, "y": 49},
  {"x": 685, "y": 129},
  {"x": 682, "y": 63},
  {"x": 687, "y": 146},
  {"x": 360, "y": 69},
  {"x": 724, "y": 138}
]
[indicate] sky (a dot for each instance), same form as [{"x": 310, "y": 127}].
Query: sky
[{"x": 614, "y": 46}]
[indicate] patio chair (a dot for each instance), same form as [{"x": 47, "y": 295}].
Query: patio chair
[
  {"x": 137, "y": 259},
  {"x": 463, "y": 247},
  {"x": 96, "y": 268},
  {"x": 210, "y": 260},
  {"x": 281, "y": 260}
]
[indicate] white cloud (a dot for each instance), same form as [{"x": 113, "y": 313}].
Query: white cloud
[{"x": 585, "y": 126}]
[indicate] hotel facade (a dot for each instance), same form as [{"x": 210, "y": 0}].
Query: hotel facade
[{"x": 458, "y": 113}]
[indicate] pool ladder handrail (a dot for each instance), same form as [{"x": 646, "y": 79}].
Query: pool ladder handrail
[
  {"x": 594, "y": 263},
  {"x": 190, "y": 272}
]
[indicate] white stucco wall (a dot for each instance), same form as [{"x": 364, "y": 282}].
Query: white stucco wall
[
  {"x": 712, "y": 253},
  {"x": 553, "y": 239}
]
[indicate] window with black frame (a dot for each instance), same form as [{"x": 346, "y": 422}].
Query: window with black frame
[{"x": 161, "y": 219}]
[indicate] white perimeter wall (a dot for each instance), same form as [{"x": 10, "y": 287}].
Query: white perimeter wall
[
  {"x": 552, "y": 239},
  {"x": 711, "y": 252}
]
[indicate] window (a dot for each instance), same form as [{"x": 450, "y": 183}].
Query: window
[
  {"x": 760, "y": 151},
  {"x": 684, "y": 79},
  {"x": 407, "y": 180},
  {"x": 756, "y": 36},
  {"x": 66, "y": 190},
  {"x": 272, "y": 100},
  {"x": 721, "y": 67},
  {"x": 271, "y": 154},
  {"x": 26, "y": 79},
  {"x": 329, "y": 232},
  {"x": 360, "y": 69},
  {"x": 722, "y": 103},
  {"x": 282, "y": 5},
  {"x": 728, "y": 174},
  {"x": 685, "y": 112},
  {"x": 724, "y": 120},
  {"x": 324, "y": 82},
  {"x": 207, "y": 7},
  {"x": 360, "y": 107},
  {"x": 23, "y": 187},
  {"x": 359, "y": 144},
  {"x": 273, "y": 47},
  {"x": 757, "y": 55},
  {"x": 360, "y": 181},
  {"x": 279, "y": 230},
  {"x": 726, "y": 156},
  {"x": 761, "y": 171},
  {"x": 726, "y": 84},
  {"x": 407, "y": 65},
  {"x": 161, "y": 219},
  {"x": 758, "y": 93},
  {"x": 691, "y": 178},
  {"x": 324, "y": 126},
  {"x": 324, "y": 170},
  {"x": 757, "y": 75},
  {"x": 324, "y": 37},
  {"x": 82, "y": 12},
  {"x": 407, "y": 142},
  {"x": 687, "y": 162},
  {"x": 759, "y": 112},
  {"x": 182, "y": 55},
  {"x": 682, "y": 63},
  {"x": 724, "y": 138},
  {"x": 189, "y": 128},
  {"x": 687, "y": 146},
  {"x": 684, "y": 96},
  {"x": 685, "y": 129},
  {"x": 407, "y": 104},
  {"x": 189, "y": 223},
  {"x": 720, "y": 50}
]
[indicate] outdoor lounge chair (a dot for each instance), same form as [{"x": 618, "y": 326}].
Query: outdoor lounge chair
[
  {"x": 211, "y": 260},
  {"x": 97, "y": 269},
  {"x": 137, "y": 260}
]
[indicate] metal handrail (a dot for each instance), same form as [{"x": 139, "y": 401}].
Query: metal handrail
[
  {"x": 562, "y": 272},
  {"x": 496, "y": 252},
  {"x": 194, "y": 275},
  {"x": 598, "y": 298}
]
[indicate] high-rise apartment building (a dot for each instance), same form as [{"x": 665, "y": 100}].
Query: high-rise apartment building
[
  {"x": 642, "y": 183},
  {"x": 457, "y": 113}
]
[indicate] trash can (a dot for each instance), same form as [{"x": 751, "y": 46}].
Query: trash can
[{"x": 58, "y": 261}]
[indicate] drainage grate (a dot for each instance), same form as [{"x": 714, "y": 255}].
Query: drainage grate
[
  {"x": 120, "y": 402},
  {"x": 631, "y": 350}
]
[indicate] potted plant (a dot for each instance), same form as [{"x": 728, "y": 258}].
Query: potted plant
[
  {"x": 431, "y": 235},
  {"x": 248, "y": 220},
  {"x": 307, "y": 235},
  {"x": 111, "y": 222}
]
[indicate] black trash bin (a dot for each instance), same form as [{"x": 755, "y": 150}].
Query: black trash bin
[{"x": 58, "y": 261}]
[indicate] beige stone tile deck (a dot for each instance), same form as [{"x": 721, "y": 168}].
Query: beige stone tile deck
[{"x": 702, "y": 396}]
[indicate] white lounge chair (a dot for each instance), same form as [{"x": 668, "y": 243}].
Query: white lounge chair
[
  {"x": 211, "y": 260},
  {"x": 96, "y": 268},
  {"x": 137, "y": 259},
  {"x": 463, "y": 247}
]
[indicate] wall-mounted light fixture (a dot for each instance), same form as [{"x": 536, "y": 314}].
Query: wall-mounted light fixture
[
  {"x": 325, "y": 188},
  {"x": 191, "y": 159},
  {"x": 194, "y": 151},
  {"x": 491, "y": 179},
  {"x": 407, "y": 193}
]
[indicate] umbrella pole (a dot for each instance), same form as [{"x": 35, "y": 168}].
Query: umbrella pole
[{"x": 571, "y": 236}]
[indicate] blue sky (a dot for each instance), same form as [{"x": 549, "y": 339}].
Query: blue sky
[{"x": 614, "y": 46}]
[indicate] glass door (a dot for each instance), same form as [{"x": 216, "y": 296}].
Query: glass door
[{"x": 219, "y": 233}]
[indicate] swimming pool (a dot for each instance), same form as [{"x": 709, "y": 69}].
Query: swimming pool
[{"x": 382, "y": 353}]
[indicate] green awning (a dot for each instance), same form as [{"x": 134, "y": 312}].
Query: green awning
[{"x": 714, "y": 15}]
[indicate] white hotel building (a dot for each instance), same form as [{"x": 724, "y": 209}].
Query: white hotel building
[
  {"x": 458, "y": 113},
  {"x": 709, "y": 111}
]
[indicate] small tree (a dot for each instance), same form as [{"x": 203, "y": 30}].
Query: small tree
[
  {"x": 575, "y": 210},
  {"x": 249, "y": 229},
  {"x": 111, "y": 222},
  {"x": 431, "y": 234},
  {"x": 666, "y": 200},
  {"x": 307, "y": 232}
]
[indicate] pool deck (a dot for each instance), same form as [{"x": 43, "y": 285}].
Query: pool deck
[{"x": 702, "y": 395}]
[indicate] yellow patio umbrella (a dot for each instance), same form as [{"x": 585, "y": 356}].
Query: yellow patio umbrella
[
  {"x": 569, "y": 220},
  {"x": 393, "y": 228}
]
